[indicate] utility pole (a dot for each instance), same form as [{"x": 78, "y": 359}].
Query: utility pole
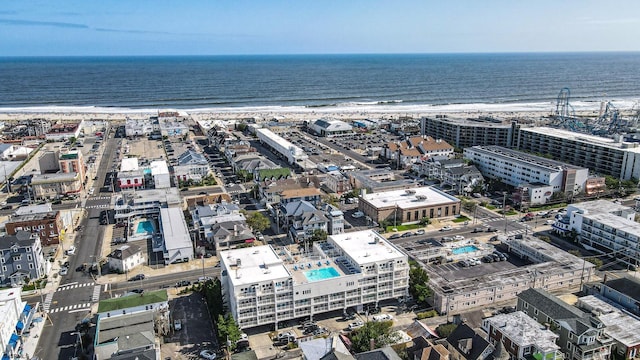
[{"x": 504, "y": 211}]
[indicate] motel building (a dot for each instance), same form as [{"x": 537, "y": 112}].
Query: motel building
[{"x": 265, "y": 286}]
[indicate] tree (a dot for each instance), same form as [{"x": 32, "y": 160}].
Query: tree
[
  {"x": 228, "y": 330},
  {"x": 418, "y": 282},
  {"x": 257, "y": 221},
  {"x": 445, "y": 330},
  {"x": 318, "y": 235},
  {"x": 425, "y": 221},
  {"x": 469, "y": 205},
  {"x": 595, "y": 261},
  {"x": 379, "y": 331}
]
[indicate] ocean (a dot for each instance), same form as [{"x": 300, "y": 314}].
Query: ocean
[{"x": 411, "y": 83}]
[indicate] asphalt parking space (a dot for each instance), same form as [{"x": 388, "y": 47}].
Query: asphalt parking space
[
  {"x": 197, "y": 329},
  {"x": 454, "y": 271}
]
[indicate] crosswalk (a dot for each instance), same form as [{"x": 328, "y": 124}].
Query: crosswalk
[
  {"x": 72, "y": 308},
  {"x": 96, "y": 293},
  {"x": 100, "y": 198},
  {"x": 47, "y": 302},
  {"x": 74, "y": 286},
  {"x": 100, "y": 206}
]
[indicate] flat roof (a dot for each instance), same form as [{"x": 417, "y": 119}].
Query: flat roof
[
  {"x": 129, "y": 164},
  {"x": 600, "y": 206},
  {"x": 584, "y": 138},
  {"x": 533, "y": 160},
  {"x": 257, "y": 264},
  {"x": 129, "y": 301},
  {"x": 159, "y": 167},
  {"x": 620, "y": 326},
  {"x": 525, "y": 331},
  {"x": 57, "y": 177},
  {"x": 366, "y": 246},
  {"x": 409, "y": 198},
  {"x": 616, "y": 222},
  {"x": 174, "y": 229}
]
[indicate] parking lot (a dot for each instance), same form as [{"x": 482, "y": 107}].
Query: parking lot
[
  {"x": 454, "y": 271},
  {"x": 197, "y": 329}
]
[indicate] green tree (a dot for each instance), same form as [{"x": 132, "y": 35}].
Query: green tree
[
  {"x": 611, "y": 182},
  {"x": 318, "y": 235},
  {"x": 445, "y": 330},
  {"x": 257, "y": 221},
  {"x": 595, "y": 261},
  {"x": 425, "y": 221},
  {"x": 418, "y": 282},
  {"x": 228, "y": 330},
  {"x": 379, "y": 331},
  {"x": 469, "y": 205},
  {"x": 212, "y": 291}
]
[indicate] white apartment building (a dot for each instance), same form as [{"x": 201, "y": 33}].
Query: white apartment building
[
  {"x": 286, "y": 149},
  {"x": 266, "y": 286},
  {"x": 605, "y": 227},
  {"x": 520, "y": 169}
]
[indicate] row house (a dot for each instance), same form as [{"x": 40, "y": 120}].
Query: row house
[
  {"x": 581, "y": 335},
  {"x": 337, "y": 182},
  {"x": 409, "y": 151},
  {"x": 304, "y": 219}
]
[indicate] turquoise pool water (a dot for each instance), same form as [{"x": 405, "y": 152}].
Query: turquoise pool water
[
  {"x": 464, "y": 249},
  {"x": 321, "y": 274},
  {"x": 144, "y": 227}
]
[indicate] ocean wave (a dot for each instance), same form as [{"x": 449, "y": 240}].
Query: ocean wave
[{"x": 347, "y": 108}]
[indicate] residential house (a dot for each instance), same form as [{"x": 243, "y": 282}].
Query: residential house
[
  {"x": 206, "y": 216},
  {"x": 312, "y": 195},
  {"x": 271, "y": 190},
  {"x": 462, "y": 178},
  {"x": 521, "y": 336},
  {"x": 325, "y": 348},
  {"x": 406, "y": 152},
  {"x": 385, "y": 353},
  {"x": 335, "y": 217},
  {"x": 465, "y": 344},
  {"x": 191, "y": 166},
  {"x": 125, "y": 258},
  {"x": 131, "y": 336},
  {"x": 21, "y": 258},
  {"x": 10, "y": 152},
  {"x": 581, "y": 335},
  {"x": 227, "y": 235},
  {"x": 304, "y": 219},
  {"x": 621, "y": 326},
  {"x": 623, "y": 291},
  {"x": 435, "y": 167},
  {"x": 423, "y": 349},
  {"x": 337, "y": 182},
  {"x": 152, "y": 301}
]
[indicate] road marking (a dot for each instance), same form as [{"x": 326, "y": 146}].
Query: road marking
[
  {"x": 105, "y": 287},
  {"x": 96, "y": 293},
  {"x": 47, "y": 302}
]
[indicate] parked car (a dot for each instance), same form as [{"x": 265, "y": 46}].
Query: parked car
[
  {"x": 207, "y": 354},
  {"x": 458, "y": 238},
  {"x": 420, "y": 232},
  {"x": 64, "y": 271},
  {"x": 446, "y": 228},
  {"x": 357, "y": 214},
  {"x": 183, "y": 283},
  {"x": 137, "y": 277},
  {"x": 394, "y": 236},
  {"x": 177, "y": 325},
  {"x": 356, "y": 324},
  {"x": 71, "y": 250},
  {"x": 382, "y": 317},
  {"x": 407, "y": 234},
  {"x": 138, "y": 291}
]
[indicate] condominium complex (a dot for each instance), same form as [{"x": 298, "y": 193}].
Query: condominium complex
[
  {"x": 541, "y": 176},
  {"x": 265, "y": 286},
  {"x": 551, "y": 270},
  {"x": 601, "y": 155},
  {"x": 463, "y": 133},
  {"x": 605, "y": 227}
]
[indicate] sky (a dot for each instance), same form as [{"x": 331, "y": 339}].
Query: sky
[{"x": 256, "y": 27}]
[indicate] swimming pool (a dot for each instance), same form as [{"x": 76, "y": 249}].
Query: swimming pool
[
  {"x": 464, "y": 249},
  {"x": 321, "y": 274},
  {"x": 144, "y": 227}
]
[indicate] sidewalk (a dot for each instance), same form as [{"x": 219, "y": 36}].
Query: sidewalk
[{"x": 152, "y": 270}]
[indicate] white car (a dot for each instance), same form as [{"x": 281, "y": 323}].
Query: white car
[
  {"x": 71, "y": 250},
  {"x": 64, "y": 271},
  {"x": 446, "y": 228},
  {"x": 458, "y": 238},
  {"x": 207, "y": 354},
  {"x": 382, "y": 317},
  {"x": 357, "y": 214},
  {"x": 356, "y": 324},
  {"x": 420, "y": 232}
]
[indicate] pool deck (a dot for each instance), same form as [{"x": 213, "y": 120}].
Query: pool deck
[{"x": 300, "y": 278}]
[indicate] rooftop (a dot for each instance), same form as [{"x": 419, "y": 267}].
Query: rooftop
[
  {"x": 72, "y": 155},
  {"x": 409, "y": 198},
  {"x": 253, "y": 265},
  {"x": 130, "y": 301},
  {"x": 525, "y": 331},
  {"x": 620, "y": 326},
  {"x": 174, "y": 229},
  {"x": 366, "y": 246},
  {"x": 506, "y": 153},
  {"x": 584, "y": 138},
  {"x": 129, "y": 164},
  {"x": 600, "y": 206}
]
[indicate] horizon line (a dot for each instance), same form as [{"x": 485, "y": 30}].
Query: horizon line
[{"x": 328, "y": 54}]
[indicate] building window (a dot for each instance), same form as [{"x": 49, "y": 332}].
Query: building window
[
  {"x": 4, "y": 268},
  {"x": 31, "y": 266},
  {"x": 18, "y": 266},
  {"x": 29, "y": 257}
]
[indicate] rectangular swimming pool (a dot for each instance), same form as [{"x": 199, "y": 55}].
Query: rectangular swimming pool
[
  {"x": 321, "y": 274},
  {"x": 144, "y": 227},
  {"x": 464, "y": 249}
]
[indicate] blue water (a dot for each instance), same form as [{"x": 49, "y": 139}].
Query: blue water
[
  {"x": 144, "y": 227},
  {"x": 321, "y": 274},
  {"x": 315, "y": 80},
  {"x": 464, "y": 249}
]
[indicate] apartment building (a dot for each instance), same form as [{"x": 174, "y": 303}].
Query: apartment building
[
  {"x": 47, "y": 225},
  {"x": 522, "y": 337},
  {"x": 15, "y": 316},
  {"x": 520, "y": 169},
  {"x": 551, "y": 270},
  {"x": 337, "y": 182},
  {"x": 581, "y": 335},
  {"x": 414, "y": 149},
  {"x": 264, "y": 286},
  {"x": 464, "y": 133},
  {"x": 21, "y": 258},
  {"x": 52, "y": 186},
  {"x": 409, "y": 206},
  {"x": 604, "y": 156},
  {"x": 605, "y": 227},
  {"x": 72, "y": 162}
]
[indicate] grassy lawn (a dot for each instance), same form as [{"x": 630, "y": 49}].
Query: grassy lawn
[
  {"x": 460, "y": 219},
  {"x": 548, "y": 207},
  {"x": 403, "y": 227},
  {"x": 490, "y": 207}
]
